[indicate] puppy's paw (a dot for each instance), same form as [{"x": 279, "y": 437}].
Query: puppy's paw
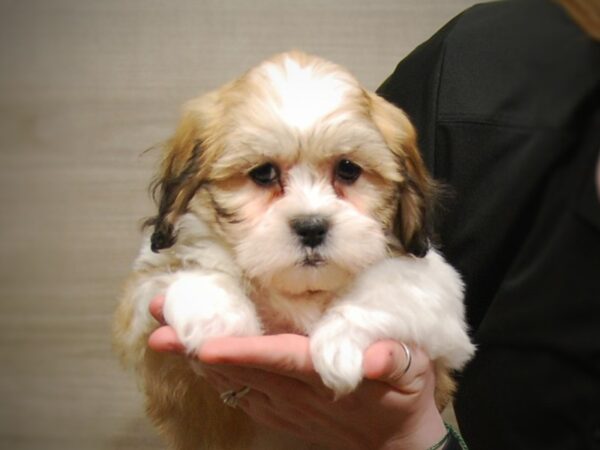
[
  {"x": 337, "y": 348},
  {"x": 202, "y": 306}
]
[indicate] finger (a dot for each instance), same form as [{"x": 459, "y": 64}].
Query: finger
[
  {"x": 282, "y": 388},
  {"x": 280, "y": 408},
  {"x": 388, "y": 361},
  {"x": 164, "y": 339},
  {"x": 285, "y": 354},
  {"x": 270, "y": 387},
  {"x": 277, "y": 392},
  {"x": 156, "y": 308},
  {"x": 277, "y": 401}
]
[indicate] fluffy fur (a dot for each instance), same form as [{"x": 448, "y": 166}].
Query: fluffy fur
[{"x": 277, "y": 147}]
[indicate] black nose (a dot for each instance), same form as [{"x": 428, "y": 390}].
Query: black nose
[{"x": 311, "y": 229}]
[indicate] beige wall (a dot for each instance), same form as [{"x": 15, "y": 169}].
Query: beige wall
[{"x": 85, "y": 88}]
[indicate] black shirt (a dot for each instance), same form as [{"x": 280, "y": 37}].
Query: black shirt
[{"x": 506, "y": 101}]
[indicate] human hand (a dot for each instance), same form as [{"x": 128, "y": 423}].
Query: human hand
[{"x": 389, "y": 410}]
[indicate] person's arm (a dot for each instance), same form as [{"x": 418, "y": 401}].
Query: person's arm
[{"x": 389, "y": 410}]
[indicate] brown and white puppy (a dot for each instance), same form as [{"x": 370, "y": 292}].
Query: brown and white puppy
[{"x": 290, "y": 200}]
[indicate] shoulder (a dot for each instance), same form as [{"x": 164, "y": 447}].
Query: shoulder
[{"x": 522, "y": 62}]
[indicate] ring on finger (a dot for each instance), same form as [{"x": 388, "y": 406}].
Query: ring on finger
[
  {"x": 232, "y": 397},
  {"x": 408, "y": 357}
]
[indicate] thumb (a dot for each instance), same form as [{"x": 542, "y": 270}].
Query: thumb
[
  {"x": 156, "y": 308},
  {"x": 164, "y": 339},
  {"x": 394, "y": 363}
]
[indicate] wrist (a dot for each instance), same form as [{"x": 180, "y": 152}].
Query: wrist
[{"x": 419, "y": 433}]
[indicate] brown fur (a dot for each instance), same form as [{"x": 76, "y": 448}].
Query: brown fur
[
  {"x": 586, "y": 13},
  {"x": 445, "y": 386},
  {"x": 416, "y": 192}
]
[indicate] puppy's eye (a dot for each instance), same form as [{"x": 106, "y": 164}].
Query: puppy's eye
[
  {"x": 347, "y": 172},
  {"x": 265, "y": 175}
]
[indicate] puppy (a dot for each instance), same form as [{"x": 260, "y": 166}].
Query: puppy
[{"x": 289, "y": 200}]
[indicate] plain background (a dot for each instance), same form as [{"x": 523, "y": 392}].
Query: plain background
[{"x": 85, "y": 88}]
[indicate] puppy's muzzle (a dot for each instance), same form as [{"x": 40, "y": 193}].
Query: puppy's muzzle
[{"x": 311, "y": 229}]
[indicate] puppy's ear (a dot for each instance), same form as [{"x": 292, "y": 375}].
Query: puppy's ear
[
  {"x": 413, "y": 221},
  {"x": 180, "y": 176}
]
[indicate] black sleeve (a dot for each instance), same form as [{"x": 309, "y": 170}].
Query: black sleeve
[
  {"x": 413, "y": 87},
  {"x": 507, "y": 111}
]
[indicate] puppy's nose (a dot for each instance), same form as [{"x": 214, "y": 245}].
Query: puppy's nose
[{"x": 311, "y": 229}]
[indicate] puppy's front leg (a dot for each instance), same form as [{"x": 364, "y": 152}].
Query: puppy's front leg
[
  {"x": 409, "y": 299},
  {"x": 207, "y": 304}
]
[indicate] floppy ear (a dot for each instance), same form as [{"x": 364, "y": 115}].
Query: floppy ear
[
  {"x": 413, "y": 221},
  {"x": 181, "y": 175}
]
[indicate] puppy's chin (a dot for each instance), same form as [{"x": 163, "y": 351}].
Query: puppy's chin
[
  {"x": 295, "y": 271},
  {"x": 308, "y": 279}
]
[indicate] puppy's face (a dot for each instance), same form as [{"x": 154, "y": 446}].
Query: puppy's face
[{"x": 308, "y": 177}]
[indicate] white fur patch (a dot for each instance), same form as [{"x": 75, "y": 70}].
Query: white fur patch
[
  {"x": 201, "y": 305},
  {"x": 305, "y": 96}
]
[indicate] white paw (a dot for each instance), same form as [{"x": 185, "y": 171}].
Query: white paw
[
  {"x": 337, "y": 347},
  {"x": 202, "y": 306}
]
